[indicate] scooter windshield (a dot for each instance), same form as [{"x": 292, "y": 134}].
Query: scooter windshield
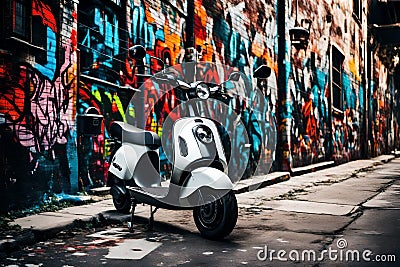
[{"x": 243, "y": 128}]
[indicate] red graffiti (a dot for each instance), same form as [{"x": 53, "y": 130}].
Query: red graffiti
[
  {"x": 44, "y": 11},
  {"x": 74, "y": 39},
  {"x": 311, "y": 122}
]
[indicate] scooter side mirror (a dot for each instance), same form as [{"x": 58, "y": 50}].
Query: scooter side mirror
[
  {"x": 137, "y": 52},
  {"x": 262, "y": 72},
  {"x": 234, "y": 76}
]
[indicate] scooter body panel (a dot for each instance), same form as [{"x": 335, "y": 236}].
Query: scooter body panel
[
  {"x": 206, "y": 177},
  {"x": 136, "y": 162},
  {"x": 202, "y": 183},
  {"x": 124, "y": 161},
  {"x": 188, "y": 148}
]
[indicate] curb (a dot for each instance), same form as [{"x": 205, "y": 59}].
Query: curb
[
  {"x": 257, "y": 182},
  {"x": 312, "y": 168},
  {"x": 99, "y": 191},
  {"x": 389, "y": 158}
]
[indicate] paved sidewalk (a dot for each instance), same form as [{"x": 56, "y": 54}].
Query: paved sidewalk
[
  {"x": 298, "y": 183},
  {"x": 45, "y": 225}
]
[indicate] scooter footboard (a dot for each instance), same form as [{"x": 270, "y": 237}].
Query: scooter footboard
[{"x": 206, "y": 179}]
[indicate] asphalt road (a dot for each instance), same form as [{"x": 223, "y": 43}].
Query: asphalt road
[{"x": 354, "y": 221}]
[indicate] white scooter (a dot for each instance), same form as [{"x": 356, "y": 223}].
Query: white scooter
[{"x": 199, "y": 178}]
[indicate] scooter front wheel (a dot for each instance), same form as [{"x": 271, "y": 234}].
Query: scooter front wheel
[{"x": 217, "y": 219}]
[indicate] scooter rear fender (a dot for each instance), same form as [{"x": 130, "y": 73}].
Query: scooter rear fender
[
  {"x": 124, "y": 162},
  {"x": 206, "y": 177},
  {"x": 117, "y": 191}
]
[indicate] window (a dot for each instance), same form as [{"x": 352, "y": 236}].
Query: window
[
  {"x": 337, "y": 70},
  {"x": 20, "y": 24}
]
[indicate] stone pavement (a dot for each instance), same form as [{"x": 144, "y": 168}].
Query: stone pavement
[
  {"x": 264, "y": 192},
  {"x": 300, "y": 183}
]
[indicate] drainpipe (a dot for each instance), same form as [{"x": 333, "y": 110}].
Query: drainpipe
[
  {"x": 283, "y": 154},
  {"x": 189, "y": 42},
  {"x": 364, "y": 128},
  {"x": 190, "y": 51},
  {"x": 370, "y": 63}
]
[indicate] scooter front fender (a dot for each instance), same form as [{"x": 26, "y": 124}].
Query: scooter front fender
[{"x": 206, "y": 177}]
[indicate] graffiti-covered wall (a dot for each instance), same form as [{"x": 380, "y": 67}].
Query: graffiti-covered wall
[
  {"x": 384, "y": 109},
  {"x": 106, "y": 32},
  {"x": 326, "y": 81},
  {"x": 336, "y": 104},
  {"x": 38, "y": 87},
  {"x": 222, "y": 34},
  {"x": 325, "y": 78}
]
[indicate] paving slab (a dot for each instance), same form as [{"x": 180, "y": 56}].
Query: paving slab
[
  {"x": 296, "y": 221},
  {"x": 350, "y": 192},
  {"x": 84, "y": 210},
  {"x": 380, "y": 240},
  {"x": 389, "y": 199},
  {"x": 48, "y": 220},
  {"x": 366, "y": 183},
  {"x": 307, "y": 207}
]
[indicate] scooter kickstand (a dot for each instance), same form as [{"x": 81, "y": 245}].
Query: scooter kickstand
[
  {"x": 130, "y": 224},
  {"x": 150, "y": 225}
]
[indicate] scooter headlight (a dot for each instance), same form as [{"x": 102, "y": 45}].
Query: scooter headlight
[
  {"x": 204, "y": 134},
  {"x": 202, "y": 91}
]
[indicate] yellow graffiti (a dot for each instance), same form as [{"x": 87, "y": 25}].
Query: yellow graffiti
[
  {"x": 353, "y": 68},
  {"x": 115, "y": 99}
]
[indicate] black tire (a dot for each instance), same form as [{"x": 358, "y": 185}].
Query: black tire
[
  {"x": 122, "y": 203},
  {"x": 217, "y": 219}
]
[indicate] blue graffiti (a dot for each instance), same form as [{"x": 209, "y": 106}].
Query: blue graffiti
[
  {"x": 50, "y": 68},
  {"x": 349, "y": 94}
]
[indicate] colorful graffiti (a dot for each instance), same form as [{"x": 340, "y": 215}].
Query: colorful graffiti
[
  {"x": 221, "y": 38},
  {"x": 236, "y": 34},
  {"x": 158, "y": 26},
  {"x": 38, "y": 103},
  {"x": 318, "y": 132}
]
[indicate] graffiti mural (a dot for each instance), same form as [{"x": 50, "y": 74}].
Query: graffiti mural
[
  {"x": 382, "y": 94},
  {"x": 220, "y": 37},
  {"x": 324, "y": 114},
  {"x": 38, "y": 103},
  {"x": 319, "y": 131}
]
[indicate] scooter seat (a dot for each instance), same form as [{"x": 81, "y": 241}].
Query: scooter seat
[{"x": 131, "y": 134}]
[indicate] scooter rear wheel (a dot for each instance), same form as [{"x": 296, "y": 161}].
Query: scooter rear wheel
[
  {"x": 217, "y": 219},
  {"x": 122, "y": 203}
]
